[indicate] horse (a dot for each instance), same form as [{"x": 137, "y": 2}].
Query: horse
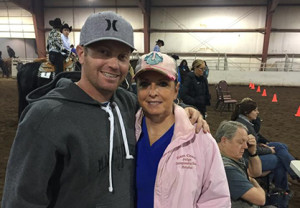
[
  {"x": 36, "y": 74},
  {"x": 6, "y": 67}
]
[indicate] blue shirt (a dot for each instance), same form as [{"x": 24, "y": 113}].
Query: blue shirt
[
  {"x": 147, "y": 160},
  {"x": 66, "y": 42},
  {"x": 74, "y": 50},
  {"x": 156, "y": 48}
]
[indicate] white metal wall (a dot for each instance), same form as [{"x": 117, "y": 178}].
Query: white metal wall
[
  {"x": 225, "y": 17},
  {"x": 200, "y": 18},
  {"x": 209, "y": 18}
]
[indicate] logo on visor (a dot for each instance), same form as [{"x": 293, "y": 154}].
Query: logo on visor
[{"x": 153, "y": 58}]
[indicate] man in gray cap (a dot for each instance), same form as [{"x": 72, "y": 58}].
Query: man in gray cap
[{"x": 75, "y": 144}]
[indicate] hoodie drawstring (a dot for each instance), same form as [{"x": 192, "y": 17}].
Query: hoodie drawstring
[
  {"x": 111, "y": 142},
  {"x": 111, "y": 138},
  {"x": 125, "y": 141}
]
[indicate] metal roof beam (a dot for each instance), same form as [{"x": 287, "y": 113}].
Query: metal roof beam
[{"x": 24, "y": 4}]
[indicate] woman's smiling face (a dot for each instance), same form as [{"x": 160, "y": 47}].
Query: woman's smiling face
[{"x": 156, "y": 93}]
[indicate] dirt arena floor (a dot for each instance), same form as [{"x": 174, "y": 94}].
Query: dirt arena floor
[{"x": 279, "y": 121}]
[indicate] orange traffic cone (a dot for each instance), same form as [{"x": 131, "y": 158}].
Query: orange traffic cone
[
  {"x": 250, "y": 85},
  {"x": 258, "y": 89},
  {"x": 274, "y": 100},
  {"x": 264, "y": 94},
  {"x": 298, "y": 112},
  {"x": 253, "y": 86}
]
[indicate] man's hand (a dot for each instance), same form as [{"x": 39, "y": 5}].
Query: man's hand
[
  {"x": 251, "y": 144},
  {"x": 196, "y": 117}
]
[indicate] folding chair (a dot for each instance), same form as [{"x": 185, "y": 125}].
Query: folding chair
[{"x": 224, "y": 97}]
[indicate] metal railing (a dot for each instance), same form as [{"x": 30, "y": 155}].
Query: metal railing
[{"x": 222, "y": 63}]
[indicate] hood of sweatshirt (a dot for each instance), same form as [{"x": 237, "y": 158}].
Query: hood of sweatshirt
[
  {"x": 61, "y": 82},
  {"x": 64, "y": 88}
]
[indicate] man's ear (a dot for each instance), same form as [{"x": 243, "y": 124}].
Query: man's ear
[
  {"x": 81, "y": 53},
  {"x": 223, "y": 140}
]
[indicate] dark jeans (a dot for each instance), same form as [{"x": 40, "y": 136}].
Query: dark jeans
[
  {"x": 57, "y": 60},
  {"x": 279, "y": 164},
  {"x": 279, "y": 175},
  {"x": 284, "y": 156}
]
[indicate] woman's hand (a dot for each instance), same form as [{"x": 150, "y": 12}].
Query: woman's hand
[
  {"x": 196, "y": 117},
  {"x": 271, "y": 148}
]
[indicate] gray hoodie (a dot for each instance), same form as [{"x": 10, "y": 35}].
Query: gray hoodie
[{"x": 63, "y": 154}]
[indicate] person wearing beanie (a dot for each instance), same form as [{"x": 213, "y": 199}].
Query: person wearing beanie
[{"x": 75, "y": 143}]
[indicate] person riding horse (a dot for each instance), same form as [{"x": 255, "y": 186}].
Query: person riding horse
[
  {"x": 55, "y": 45},
  {"x": 65, "y": 31}
]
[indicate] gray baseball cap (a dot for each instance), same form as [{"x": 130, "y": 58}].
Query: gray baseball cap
[{"x": 106, "y": 26}]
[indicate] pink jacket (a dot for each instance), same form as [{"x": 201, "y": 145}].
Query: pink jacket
[{"x": 191, "y": 172}]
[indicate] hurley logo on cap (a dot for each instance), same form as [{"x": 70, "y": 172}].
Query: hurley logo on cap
[
  {"x": 113, "y": 25},
  {"x": 153, "y": 59}
]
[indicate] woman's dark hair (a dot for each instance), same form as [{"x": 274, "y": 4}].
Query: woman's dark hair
[
  {"x": 183, "y": 61},
  {"x": 244, "y": 108},
  {"x": 184, "y": 67}
]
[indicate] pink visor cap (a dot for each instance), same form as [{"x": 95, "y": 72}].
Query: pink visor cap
[{"x": 159, "y": 62}]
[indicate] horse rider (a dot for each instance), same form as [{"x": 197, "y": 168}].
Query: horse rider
[
  {"x": 65, "y": 31},
  {"x": 55, "y": 46}
]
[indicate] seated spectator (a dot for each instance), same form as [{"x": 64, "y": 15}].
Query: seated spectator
[
  {"x": 233, "y": 140},
  {"x": 256, "y": 125},
  {"x": 263, "y": 140},
  {"x": 274, "y": 155}
]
